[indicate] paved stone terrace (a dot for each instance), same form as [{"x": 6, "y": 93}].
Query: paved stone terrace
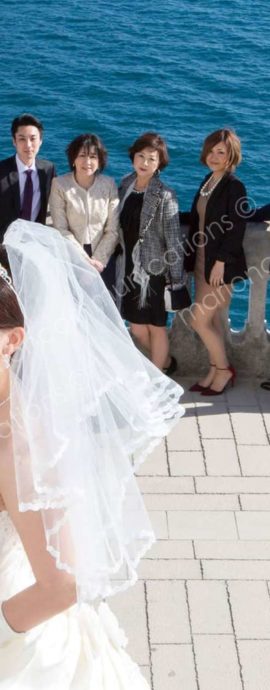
[{"x": 199, "y": 617}]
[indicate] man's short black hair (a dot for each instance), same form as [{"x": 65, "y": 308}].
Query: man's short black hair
[{"x": 24, "y": 120}]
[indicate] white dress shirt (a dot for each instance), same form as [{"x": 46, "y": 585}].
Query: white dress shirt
[{"x": 36, "y": 203}]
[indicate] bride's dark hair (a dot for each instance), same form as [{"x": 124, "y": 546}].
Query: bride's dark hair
[{"x": 10, "y": 312}]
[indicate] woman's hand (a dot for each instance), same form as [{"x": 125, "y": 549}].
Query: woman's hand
[
  {"x": 97, "y": 264},
  {"x": 217, "y": 274}
]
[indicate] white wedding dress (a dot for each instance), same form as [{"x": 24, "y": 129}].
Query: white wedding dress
[{"x": 80, "y": 649}]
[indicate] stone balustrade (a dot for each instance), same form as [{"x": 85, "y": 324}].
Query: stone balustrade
[{"x": 248, "y": 349}]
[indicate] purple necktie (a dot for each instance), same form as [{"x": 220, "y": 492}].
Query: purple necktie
[{"x": 27, "y": 196}]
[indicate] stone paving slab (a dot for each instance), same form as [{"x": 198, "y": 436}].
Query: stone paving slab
[
  {"x": 217, "y": 662},
  {"x": 249, "y": 427},
  {"x": 250, "y": 609},
  {"x": 234, "y": 485},
  {"x": 168, "y": 612},
  {"x": 209, "y": 608},
  {"x": 254, "y": 460},
  {"x": 221, "y": 459},
  {"x": 173, "y": 667},
  {"x": 253, "y": 525},
  {"x": 236, "y": 570},
  {"x": 186, "y": 462},
  {"x": 255, "y": 662},
  {"x": 173, "y": 569},
  {"x": 232, "y": 550},
  {"x": 222, "y": 428},
  {"x": 199, "y": 616},
  {"x": 174, "y": 502},
  {"x": 172, "y": 549},
  {"x": 254, "y": 502},
  {"x": 201, "y": 524}
]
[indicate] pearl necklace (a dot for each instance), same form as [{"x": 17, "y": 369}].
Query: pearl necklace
[
  {"x": 4, "y": 401},
  {"x": 202, "y": 190}
]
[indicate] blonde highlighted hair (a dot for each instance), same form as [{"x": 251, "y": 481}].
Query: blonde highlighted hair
[{"x": 232, "y": 142}]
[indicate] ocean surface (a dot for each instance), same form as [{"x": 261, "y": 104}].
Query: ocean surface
[{"x": 118, "y": 68}]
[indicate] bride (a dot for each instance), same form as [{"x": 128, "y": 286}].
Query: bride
[{"x": 80, "y": 408}]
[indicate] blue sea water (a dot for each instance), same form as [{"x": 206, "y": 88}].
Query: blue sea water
[{"x": 118, "y": 68}]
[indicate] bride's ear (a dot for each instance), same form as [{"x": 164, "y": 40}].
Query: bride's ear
[{"x": 15, "y": 339}]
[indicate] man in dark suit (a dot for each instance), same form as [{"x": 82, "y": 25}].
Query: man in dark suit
[{"x": 25, "y": 180}]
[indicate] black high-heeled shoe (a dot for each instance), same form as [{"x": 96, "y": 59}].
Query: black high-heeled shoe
[
  {"x": 211, "y": 392},
  {"x": 265, "y": 385},
  {"x": 197, "y": 387},
  {"x": 171, "y": 368}
]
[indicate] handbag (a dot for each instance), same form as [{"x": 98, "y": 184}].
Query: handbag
[{"x": 176, "y": 300}]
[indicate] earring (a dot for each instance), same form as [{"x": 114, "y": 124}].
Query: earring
[{"x": 6, "y": 361}]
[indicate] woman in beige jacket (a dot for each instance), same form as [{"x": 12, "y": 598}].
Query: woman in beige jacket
[{"x": 84, "y": 203}]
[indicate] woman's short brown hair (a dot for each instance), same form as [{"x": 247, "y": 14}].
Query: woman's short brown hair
[
  {"x": 233, "y": 144},
  {"x": 86, "y": 142},
  {"x": 153, "y": 141}
]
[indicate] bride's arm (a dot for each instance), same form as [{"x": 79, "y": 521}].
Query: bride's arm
[{"x": 54, "y": 590}]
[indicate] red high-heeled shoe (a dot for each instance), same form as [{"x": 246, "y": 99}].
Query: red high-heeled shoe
[
  {"x": 197, "y": 387},
  {"x": 211, "y": 392}
]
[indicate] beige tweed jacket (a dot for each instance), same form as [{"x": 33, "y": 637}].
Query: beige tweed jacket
[{"x": 87, "y": 216}]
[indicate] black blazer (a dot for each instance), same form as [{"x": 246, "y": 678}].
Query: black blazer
[
  {"x": 224, "y": 229},
  {"x": 259, "y": 215},
  {"x": 10, "y": 191}
]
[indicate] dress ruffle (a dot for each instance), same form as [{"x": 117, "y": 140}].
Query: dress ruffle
[{"x": 78, "y": 650}]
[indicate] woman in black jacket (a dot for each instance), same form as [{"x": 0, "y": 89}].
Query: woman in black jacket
[{"x": 215, "y": 252}]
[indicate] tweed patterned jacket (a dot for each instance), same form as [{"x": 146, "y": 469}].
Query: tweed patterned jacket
[
  {"x": 160, "y": 233},
  {"x": 87, "y": 216}
]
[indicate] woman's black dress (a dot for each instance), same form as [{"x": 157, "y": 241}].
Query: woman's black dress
[{"x": 154, "y": 311}]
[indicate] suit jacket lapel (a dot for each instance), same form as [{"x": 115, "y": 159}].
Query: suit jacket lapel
[
  {"x": 42, "y": 185},
  {"x": 15, "y": 187}
]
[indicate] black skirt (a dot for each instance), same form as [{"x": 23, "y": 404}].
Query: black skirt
[{"x": 153, "y": 313}]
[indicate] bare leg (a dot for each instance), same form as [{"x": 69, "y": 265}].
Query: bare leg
[
  {"x": 203, "y": 325},
  {"x": 207, "y": 323},
  {"x": 217, "y": 324},
  {"x": 54, "y": 590},
  {"x": 217, "y": 321},
  {"x": 141, "y": 333},
  {"x": 209, "y": 377},
  {"x": 159, "y": 345},
  {"x": 221, "y": 377},
  {"x": 153, "y": 339}
]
